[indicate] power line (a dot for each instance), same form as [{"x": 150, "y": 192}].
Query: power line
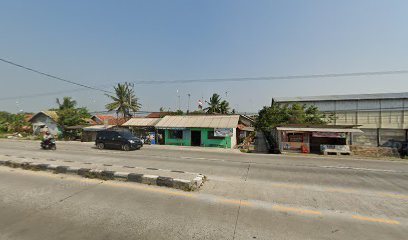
[
  {"x": 205, "y": 80},
  {"x": 265, "y": 78},
  {"x": 52, "y": 76}
]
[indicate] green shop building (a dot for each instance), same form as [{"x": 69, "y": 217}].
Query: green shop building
[{"x": 223, "y": 131}]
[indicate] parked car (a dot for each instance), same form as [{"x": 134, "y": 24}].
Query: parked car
[{"x": 117, "y": 140}]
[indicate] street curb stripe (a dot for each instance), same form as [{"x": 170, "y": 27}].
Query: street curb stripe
[
  {"x": 181, "y": 184},
  {"x": 378, "y": 220}
]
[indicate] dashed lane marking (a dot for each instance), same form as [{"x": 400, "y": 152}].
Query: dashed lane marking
[
  {"x": 296, "y": 210},
  {"x": 213, "y": 198},
  {"x": 377, "y": 220}
]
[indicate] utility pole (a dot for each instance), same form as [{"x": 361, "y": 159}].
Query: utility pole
[
  {"x": 188, "y": 104},
  {"x": 178, "y": 96}
]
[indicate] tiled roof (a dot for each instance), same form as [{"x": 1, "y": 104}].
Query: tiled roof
[
  {"x": 117, "y": 121},
  {"x": 158, "y": 114},
  {"x": 104, "y": 117}
]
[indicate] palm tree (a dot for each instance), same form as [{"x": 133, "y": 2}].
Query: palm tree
[
  {"x": 224, "y": 107},
  {"x": 214, "y": 104},
  {"x": 124, "y": 101},
  {"x": 67, "y": 103}
]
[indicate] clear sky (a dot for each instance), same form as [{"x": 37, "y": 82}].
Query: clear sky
[{"x": 99, "y": 43}]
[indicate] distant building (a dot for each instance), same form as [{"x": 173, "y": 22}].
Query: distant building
[
  {"x": 45, "y": 121},
  {"x": 108, "y": 120},
  {"x": 382, "y": 117},
  {"x": 158, "y": 114}
]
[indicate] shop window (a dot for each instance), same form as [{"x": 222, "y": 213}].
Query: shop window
[
  {"x": 175, "y": 134},
  {"x": 295, "y": 137},
  {"x": 211, "y": 136}
]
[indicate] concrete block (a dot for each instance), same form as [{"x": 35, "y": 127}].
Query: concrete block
[
  {"x": 165, "y": 181},
  {"x": 73, "y": 170},
  {"x": 150, "y": 179},
  {"x": 121, "y": 176},
  {"x": 182, "y": 184},
  {"x": 52, "y": 167},
  {"x": 61, "y": 169},
  {"x": 134, "y": 177},
  {"x": 107, "y": 174},
  {"x": 198, "y": 181},
  {"x": 42, "y": 166},
  {"x": 39, "y": 166},
  {"x": 83, "y": 171}
]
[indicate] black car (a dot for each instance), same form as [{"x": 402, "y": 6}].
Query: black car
[{"x": 117, "y": 140}]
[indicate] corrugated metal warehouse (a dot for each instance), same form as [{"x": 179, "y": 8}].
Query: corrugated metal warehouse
[{"x": 382, "y": 117}]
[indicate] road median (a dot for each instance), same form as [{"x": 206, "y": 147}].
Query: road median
[{"x": 177, "y": 179}]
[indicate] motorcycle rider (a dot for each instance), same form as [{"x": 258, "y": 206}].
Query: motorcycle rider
[{"x": 47, "y": 138}]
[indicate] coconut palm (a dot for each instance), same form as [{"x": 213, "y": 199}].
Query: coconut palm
[
  {"x": 213, "y": 104},
  {"x": 67, "y": 103},
  {"x": 224, "y": 107},
  {"x": 125, "y": 100}
]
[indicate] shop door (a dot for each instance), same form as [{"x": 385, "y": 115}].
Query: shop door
[{"x": 195, "y": 138}]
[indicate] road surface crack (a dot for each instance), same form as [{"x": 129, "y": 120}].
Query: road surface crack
[{"x": 240, "y": 201}]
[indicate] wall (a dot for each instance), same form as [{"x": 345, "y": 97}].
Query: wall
[
  {"x": 186, "y": 141},
  {"x": 223, "y": 143}
]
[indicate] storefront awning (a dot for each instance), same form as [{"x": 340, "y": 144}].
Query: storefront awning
[{"x": 335, "y": 130}]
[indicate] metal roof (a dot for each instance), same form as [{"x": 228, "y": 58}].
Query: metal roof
[
  {"x": 343, "y": 97},
  {"x": 230, "y": 121},
  {"x": 337, "y": 130},
  {"x": 97, "y": 128},
  {"x": 142, "y": 122},
  {"x": 51, "y": 114}
]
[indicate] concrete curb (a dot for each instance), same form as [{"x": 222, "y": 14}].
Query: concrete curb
[{"x": 182, "y": 184}]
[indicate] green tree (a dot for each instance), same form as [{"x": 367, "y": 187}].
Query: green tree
[
  {"x": 224, "y": 107},
  {"x": 124, "y": 100},
  {"x": 5, "y": 119},
  {"x": 270, "y": 117},
  {"x": 69, "y": 115},
  {"x": 72, "y": 116},
  {"x": 67, "y": 103},
  {"x": 179, "y": 112},
  {"x": 18, "y": 121},
  {"x": 215, "y": 105}
]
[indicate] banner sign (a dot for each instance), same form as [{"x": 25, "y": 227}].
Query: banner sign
[
  {"x": 329, "y": 134},
  {"x": 223, "y": 132}
]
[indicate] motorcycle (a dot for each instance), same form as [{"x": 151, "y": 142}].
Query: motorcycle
[{"x": 49, "y": 144}]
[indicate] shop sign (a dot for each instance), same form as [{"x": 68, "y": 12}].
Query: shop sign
[
  {"x": 329, "y": 134},
  {"x": 223, "y": 132}
]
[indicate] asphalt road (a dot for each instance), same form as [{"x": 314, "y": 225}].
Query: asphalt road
[{"x": 248, "y": 196}]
